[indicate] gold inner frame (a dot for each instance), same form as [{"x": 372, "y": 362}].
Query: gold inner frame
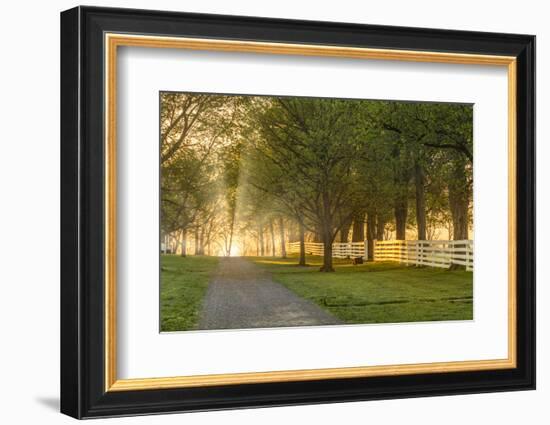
[{"x": 113, "y": 41}]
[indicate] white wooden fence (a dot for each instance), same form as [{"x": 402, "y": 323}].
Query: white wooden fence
[
  {"x": 339, "y": 249},
  {"x": 440, "y": 254},
  {"x": 427, "y": 253}
]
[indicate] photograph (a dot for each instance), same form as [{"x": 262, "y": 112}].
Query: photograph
[{"x": 285, "y": 211}]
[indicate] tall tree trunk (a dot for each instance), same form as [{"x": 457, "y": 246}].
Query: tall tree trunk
[
  {"x": 358, "y": 231},
  {"x": 261, "y": 237},
  {"x": 327, "y": 249},
  {"x": 401, "y": 207},
  {"x": 459, "y": 198},
  {"x": 272, "y": 231},
  {"x": 293, "y": 232},
  {"x": 371, "y": 234},
  {"x": 197, "y": 249},
  {"x": 401, "y": 204},
  {"x": 380, "y": 226},
  {"x": 208, "y": 238},
  {"x": 201, "y": 242},
  {"x": 420, "y": 202},
  {"x": 459, "y": 211},
  {"x": 302, "y": 261},
  {"x": 318, "y": 235},
  {"x": 327, "y": 233},
  {"x": 183, "y": 242},
  {"x": 231, "y": 231},
  {"x": 344, "y": 231},
  {"x": 282, "y": 236}
]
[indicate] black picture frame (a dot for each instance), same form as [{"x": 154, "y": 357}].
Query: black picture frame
[{"x": 83, "y": 392}]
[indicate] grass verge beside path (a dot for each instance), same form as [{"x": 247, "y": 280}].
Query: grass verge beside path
[
  {"x": 378, "y": 292},
  {"x": 183, "y": 284}
]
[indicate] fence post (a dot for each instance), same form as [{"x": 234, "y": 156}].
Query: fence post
[{"x": 467, "y": 246}]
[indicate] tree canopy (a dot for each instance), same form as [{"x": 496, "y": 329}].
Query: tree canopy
[{"x": 235, "y": 168}]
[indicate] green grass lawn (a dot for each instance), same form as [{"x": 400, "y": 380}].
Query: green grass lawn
[
  {"x": 378, "y": 292},
  {"x": 183, "y": 284}
]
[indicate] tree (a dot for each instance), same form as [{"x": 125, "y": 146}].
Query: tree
[
  {"x": 282, "y": 236},
  {"x": 421, "y": 131},
  {"x": 311, "y": 145},
  {"x": 193, "y": 130}
]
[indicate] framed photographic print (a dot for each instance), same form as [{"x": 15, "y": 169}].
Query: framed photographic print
[{"x": 261, "y": 212}]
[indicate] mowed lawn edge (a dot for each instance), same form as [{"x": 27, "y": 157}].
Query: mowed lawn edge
[
  {"x": 183, "y": 285},
  {"x": 377, "y": 292}
]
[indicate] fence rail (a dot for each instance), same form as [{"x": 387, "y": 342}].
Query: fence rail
[
  {"x": 440, "y": 254},
  {"x": 339, "y": 249}
]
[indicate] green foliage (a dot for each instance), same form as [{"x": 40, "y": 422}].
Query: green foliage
[{"x": 305, "y": 149}]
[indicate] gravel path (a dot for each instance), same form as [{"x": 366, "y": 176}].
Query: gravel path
[{"x": 241, "y": 295}]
